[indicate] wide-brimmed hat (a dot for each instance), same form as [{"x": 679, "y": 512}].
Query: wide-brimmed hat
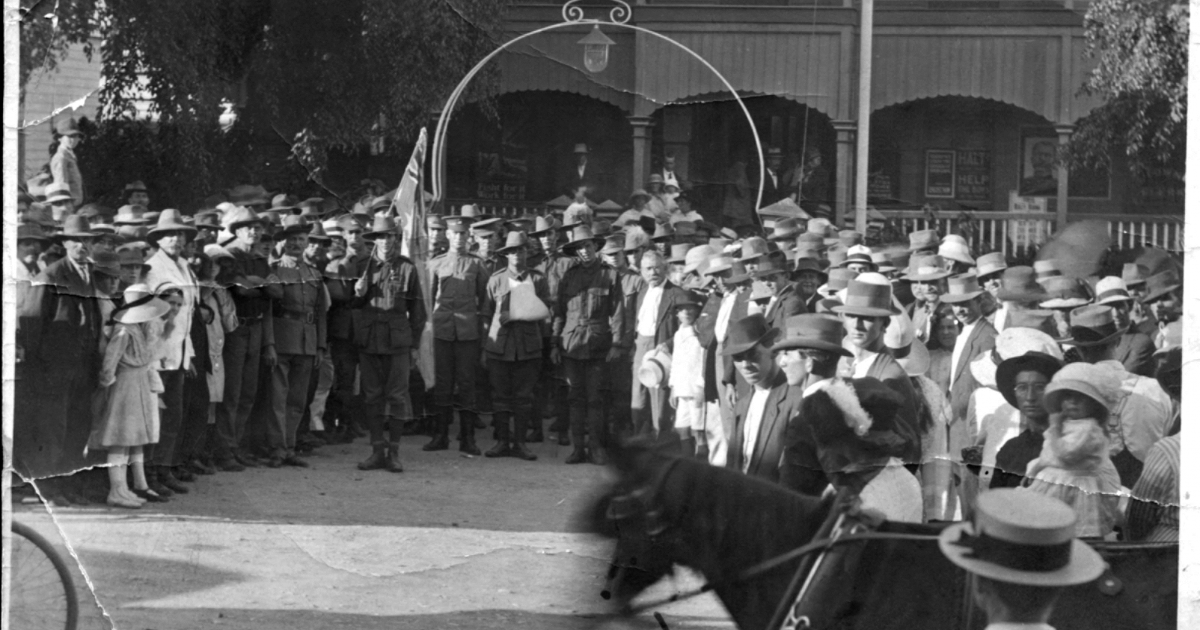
[
  {"x": 208, "y": 219},
  {"x": 544, "y": 225},
  {"x": 1161, "y": 284},
  {"x": 817, "y": 332},
  {"x": 991, "y": 263},
  {"x": 311, "y": 208},
  {"x": 1111, "y": 290},
  {"x": 57, "y": 192},
  {"x": 293, "y": 224},
  {"x": 1019, "y": 284},
  {"x": 107, "y": 263},
  {"x": 1035, "y": 318},
  {"x": 635, "y": 240},
  {"x": 580, "y": 234},
  {"x": 807, "y": 263},
  {"x": 785, "y": 230},
  {"x": 139, "y": 312},
  {"x": 882, "y": 262},
  {"x": 962, "y": 288},
  {"x": 927, "y": 269},
  {"x": 239, "y": 216},
  {"x": 1032, "y": 361},
  {"x": 74, "y": 227},
  {"x": 382, "y": 226},
  {"x": 1012, "y": 342},
  {"x": 655, "y": 369},
  {"x": 170, "y": 220},
  {"x": 68, "y": 127},
  {"x": 867, "y": 299},
  {"x": 1092, "y": 325},
  {"x": 738, "y": 273},
  {"x": 31, "y": 232},
  {"x": 283, "y": 203},
  {"x": 954, "y": 247},
  {"x": 663, "y": 232},
  {"x": 923, "y": 240},
  {"x": 1022, "y": 537},
  {"x": 754, "y": 248},
  {"x": 514, "y": 241},
  {"x": 132, "y": 257},
  {"x": 614, "y": 243},
  {"x": 1065, "y": 292},
  {"x": 1098, "y": 382},
  {"x": 748, "y": 332},
  {"x": 678, "y": 253},
  {"x": 217, "y": 253},
  {"x": 860, "y": 254},
  {"x": 769, "y": 266},
  {"x": 1046, "y": 269},
  {"x": 136, "y": 185},
  {"x": 696, "y": 256},
  {"x": 836, "y": 279},
  {"x": 1134, "y": 274},
  {"x": 811, "y": 240},
  {"x": 719, "y": 263},
  {"x": 487, "y": 226}
]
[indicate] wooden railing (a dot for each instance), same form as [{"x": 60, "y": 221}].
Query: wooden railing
[{"x": 1002, "y": 231}]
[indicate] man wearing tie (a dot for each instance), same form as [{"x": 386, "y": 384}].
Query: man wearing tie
[{"x": 654, "y": 324}]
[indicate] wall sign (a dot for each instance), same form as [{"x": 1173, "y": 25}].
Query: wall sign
[
  {"x": 1030, "y": 231},
  {"x": 973, "y": 175},
  {"x": 939, "y": 174}
]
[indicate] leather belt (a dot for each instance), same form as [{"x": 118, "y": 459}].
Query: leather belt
[
  {"x": 303, "y": 316},
  {"x": 242, "y": 321}
]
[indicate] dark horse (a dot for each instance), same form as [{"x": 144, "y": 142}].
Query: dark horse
[{"x": 665, "y": 510}]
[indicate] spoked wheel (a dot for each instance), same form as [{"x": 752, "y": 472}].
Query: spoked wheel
[{"x": 41, "y": 591}]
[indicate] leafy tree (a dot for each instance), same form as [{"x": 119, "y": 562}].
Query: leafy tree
[
  {"x": 312, "y": 76},
  {"x": 1141, "y": 73}
]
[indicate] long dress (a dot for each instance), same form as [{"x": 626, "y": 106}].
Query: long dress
[
  {"x": 131, "y": 415},
  {"x": 1074, "y": 467}
]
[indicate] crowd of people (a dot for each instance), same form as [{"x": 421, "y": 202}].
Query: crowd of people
[{"x": 166, "y": 345}]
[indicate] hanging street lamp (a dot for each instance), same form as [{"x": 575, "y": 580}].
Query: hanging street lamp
[{"x": 595, "y": 50}]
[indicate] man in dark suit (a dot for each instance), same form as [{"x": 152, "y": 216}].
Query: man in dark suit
[
  {"x": 785, "y": 301},
  {"x": 1135, "y": 350},
  {"x": 58, "y": 329},
  {"x": 733, "y": 295},
  {"x": 585, "y": 177},
  {"x": 761, "y": 418},
  {"x": 976, "y": 337},
  {"x": 654, "y": 323},
  {"x": 775, "y": 184}
]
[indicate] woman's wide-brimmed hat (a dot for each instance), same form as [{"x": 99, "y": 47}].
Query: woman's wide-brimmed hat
[
  {"x": 867, "y": 299},
  {"x": 1098, "y": 382},
  {"x": 860, "y": 414},
  {"x": 811, "y": 331},
  {"x": 962, "y": 288},
  {"x": 1022, "y": 537},
  {"x": 1019, "y": 284},
  {"x": 1012, "y": 342},
  {"x": 1032, "y": 361},
  {"x": 170, "y": 220},
  {"x": 141, "y": 306},
  {"x": 1092, "y": 325},
  {"x": 748, "y": 332}
]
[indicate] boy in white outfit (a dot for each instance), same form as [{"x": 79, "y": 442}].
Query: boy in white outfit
[{"x": 687, "y": 381}]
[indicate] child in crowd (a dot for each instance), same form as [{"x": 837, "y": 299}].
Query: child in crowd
[
  {"x": 687, "y": 380},
  {"x": 129, "y": 375},
  {"x": 219, "y": 315},
  {"x": 1074, "y": 465}
]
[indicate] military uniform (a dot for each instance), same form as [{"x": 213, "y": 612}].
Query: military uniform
[
  {"x": 552, "y": 385},
  {"x": 459, "y": 286},
  {"x": 588, "y": 316},
  {"x": 300, "y": 333},
  {"x": 344, "y": 404},
  {"x": 621, "y": 374}
]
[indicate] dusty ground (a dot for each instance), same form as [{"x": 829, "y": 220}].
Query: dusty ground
[{"x": 453, "y": 542}]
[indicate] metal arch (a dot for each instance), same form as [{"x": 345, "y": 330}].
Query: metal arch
[{"x": 574, "y": 16}]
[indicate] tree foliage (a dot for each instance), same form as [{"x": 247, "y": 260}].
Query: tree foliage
[
  {"x": 314, "y": 75},
  {"x": 1140, "y": 48}
]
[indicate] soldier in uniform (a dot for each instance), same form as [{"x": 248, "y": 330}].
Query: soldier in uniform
[
  {"x": 252, "y": 342},
  {"x": 299, "y": 309},
  {"x": 458, "y": 282},
  {"x": 552, "y": 386},
  {"x": 386, "y": 330},
  {"x": 438, "y": 244},
  {"x": 487, "y": 232},
  {"x": 340, "y": 275},
  {"x": 589, "y": 322},
  {"x": 514, "y": 345},
  {"x": 621, "y": 373}
]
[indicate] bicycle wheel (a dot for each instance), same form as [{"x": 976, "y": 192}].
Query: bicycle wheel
[{"x": 41, "y": 591}]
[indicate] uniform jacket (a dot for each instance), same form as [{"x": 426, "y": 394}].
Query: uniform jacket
[
  {"x": 982, "y": 339},
  {"x": 554, "y": 266},
  {"x": 252, "y": 304},
  {"x": 459, "y": 285},
  {"x": 1136, "y": 352},
  {"x": 783, "y": 406},
  {"x": 59, "y": 322},
  {"x": 509, "y": 340},
  {"x": 589, "y": 315},
  {"x": 785, "y": 305},
  {"x": 300, "y": 324},
  {"x": 65, "y": 170},
  {"x": 391, "y": 317},
  {"x": 178, "y": 348},
  {"x": 666, "y": 323},
  {"x": 340, "y": 321}
]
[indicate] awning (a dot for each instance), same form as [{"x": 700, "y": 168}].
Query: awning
[{"x": 554, "y": 61}]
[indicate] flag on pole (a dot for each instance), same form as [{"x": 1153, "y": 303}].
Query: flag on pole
[{"x": 409, "y": 206}]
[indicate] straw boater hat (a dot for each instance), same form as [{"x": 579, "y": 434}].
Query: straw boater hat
[
  {"x": 1111, "y": 290},
  {"x": 1021, "y": 537},
  {"x": 1019, "y": 284},
  {"x": 1161, "y": 284},
  {"x": 383, "y": 225},
  {"x": 954, "y": 247},
  {"x": 57, "y": 192},
  {"x": 1046, "y": 269},
  {"x": 926, "y": 269},
  {"x": 815, "y": 332},
  {"x": 1012, "y": 342},
  {"x": 989, "y": 264},
  {"x": 860, "y": 254},
  {"x": 516, "y": 240},
  {"x": 962, "y": 288},
  {"x": 748, "y": 332},
  {"x": 1065, "y": 292},
  {"x": 140, "y": 306},
  {"x": 655, "y": 369},
  {"x": 1092, "y": 325},
  {"x": 867, "y": 299}
]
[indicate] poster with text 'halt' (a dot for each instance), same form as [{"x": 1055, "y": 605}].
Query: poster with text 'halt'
[{"x": 1027, "y": 232}]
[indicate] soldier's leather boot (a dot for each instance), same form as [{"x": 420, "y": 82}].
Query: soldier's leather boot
[
  {"x": 501, "y": 448},
  {"x": 466, "y": 433},
  {"x": 517, "y": 448},
  {"x": 393, "y": 458},
  {"x": 441, "y": 433},
  {"x": 535, "y": 435},
  {"x": 378, "y": 458},
  {"x": 578, "y": 417}
]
